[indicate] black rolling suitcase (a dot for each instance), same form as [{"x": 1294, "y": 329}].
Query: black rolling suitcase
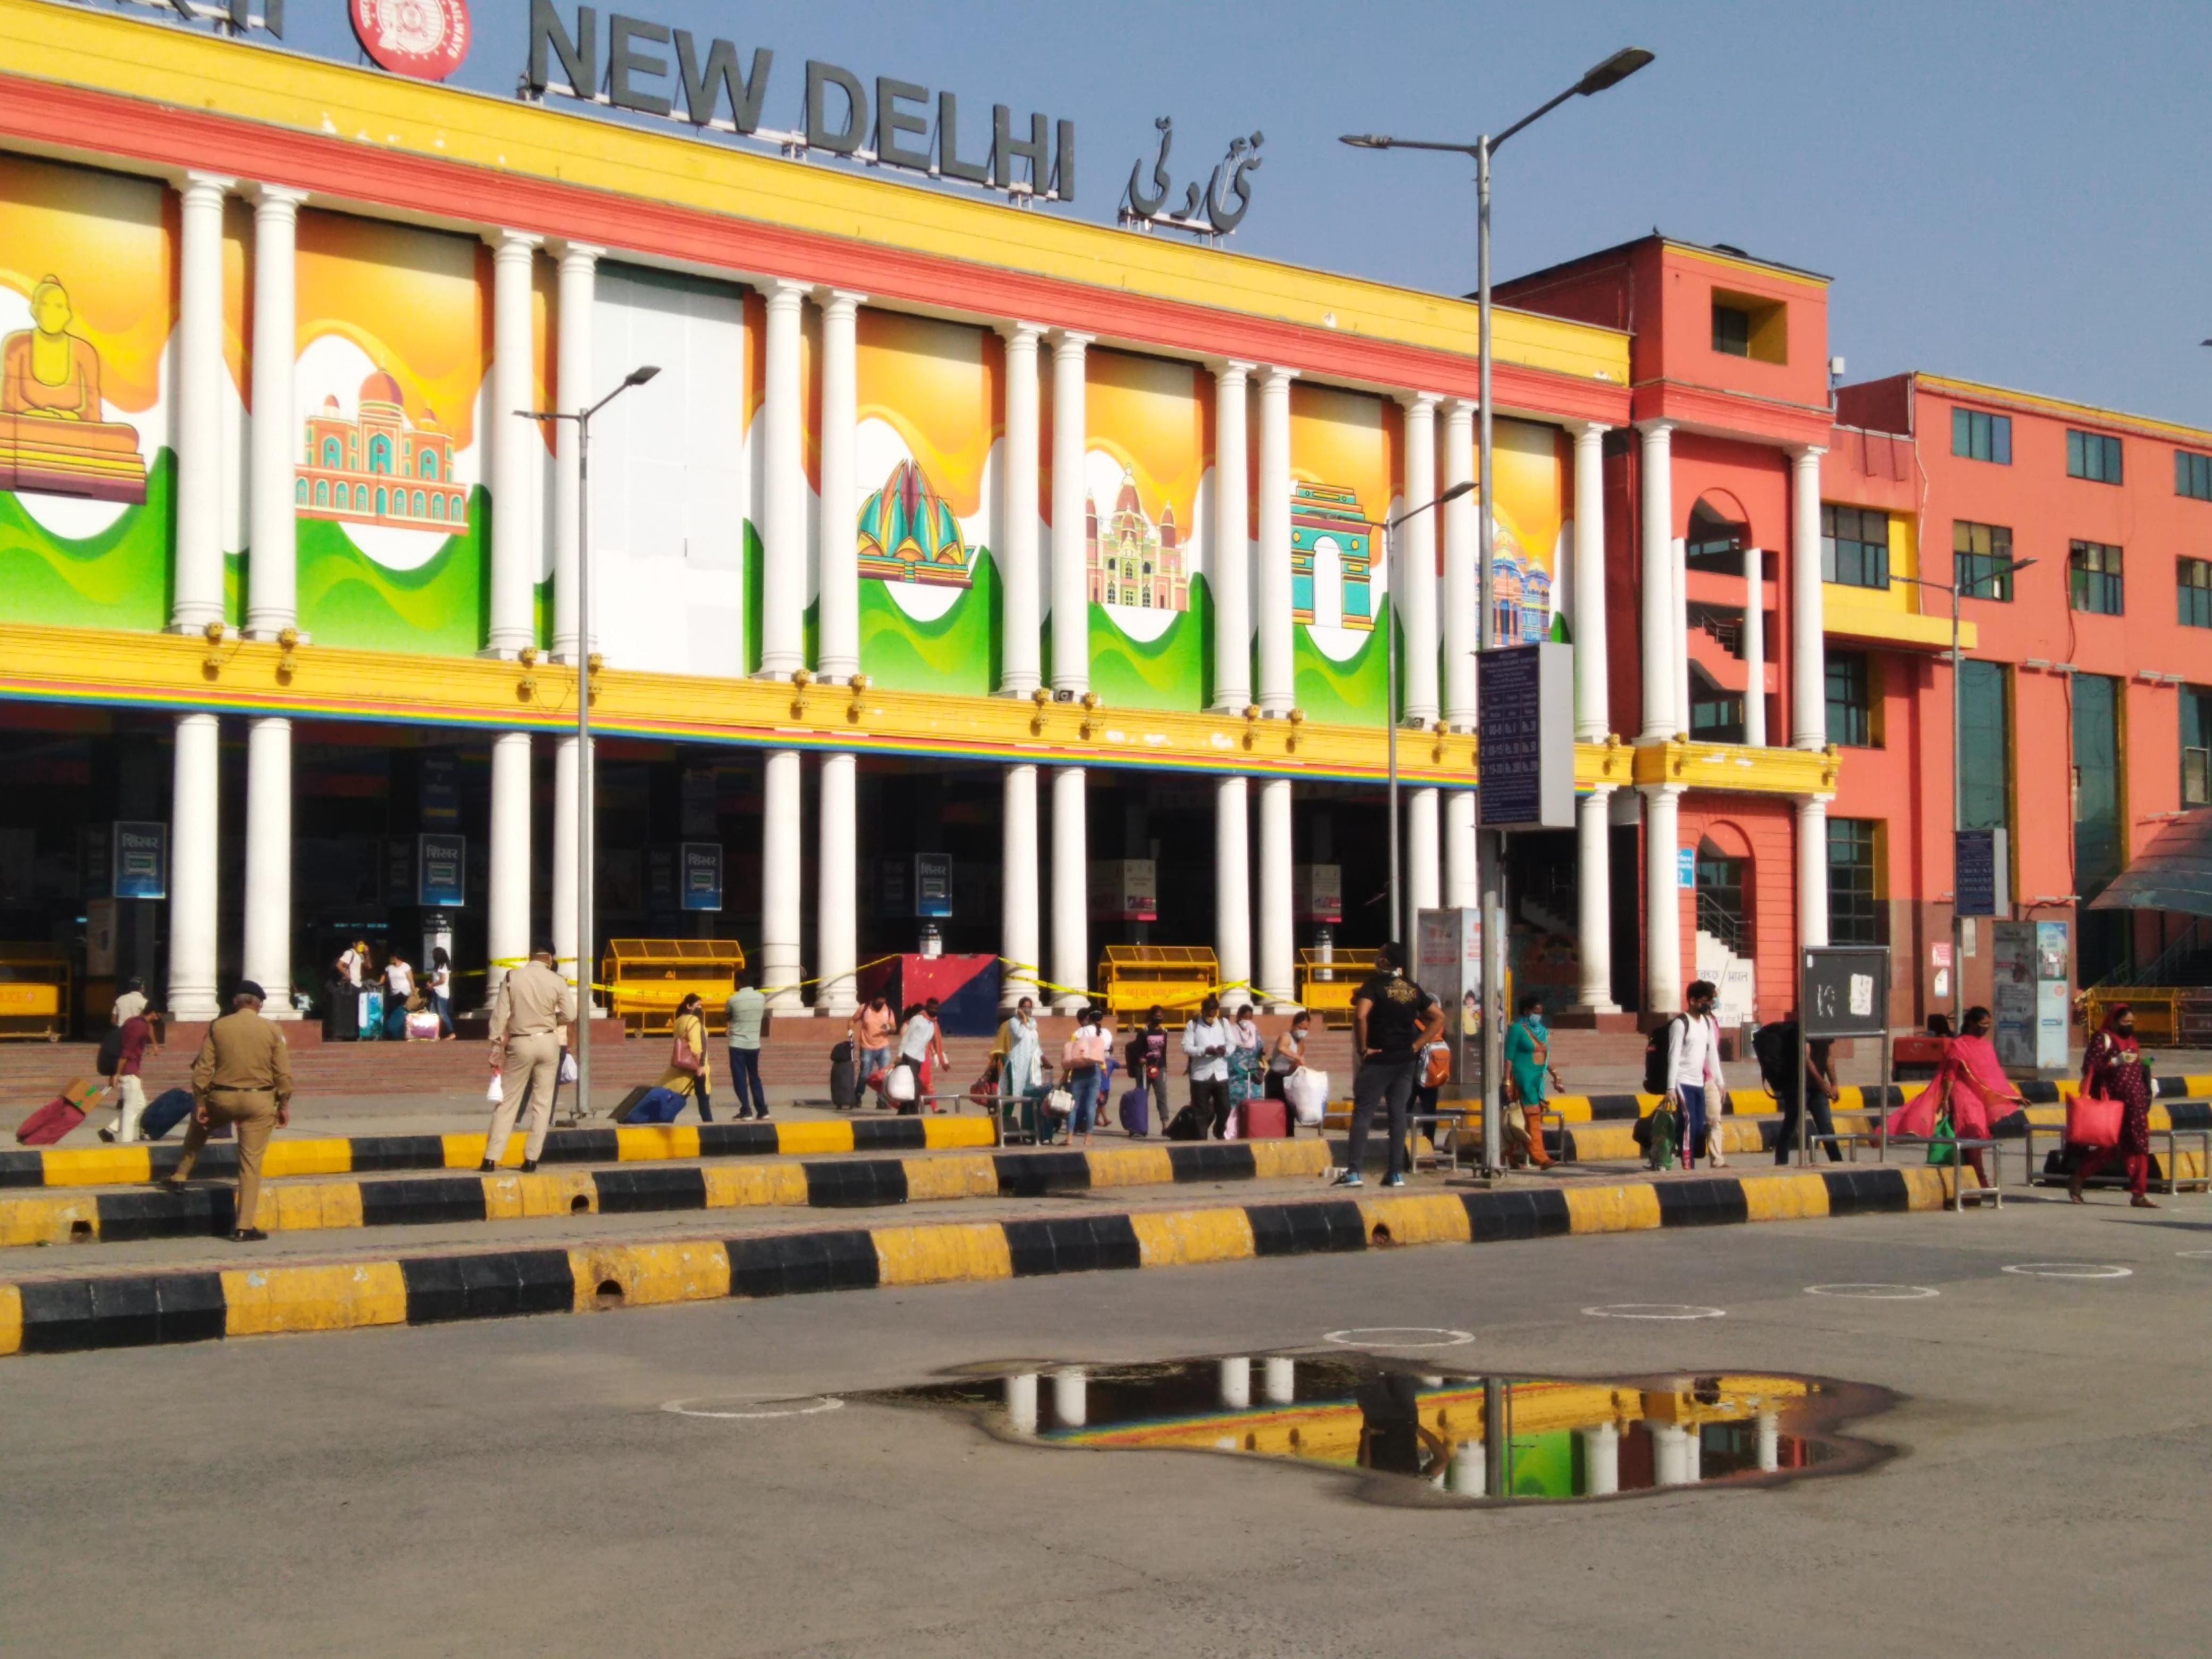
[{"x": 844, "y": 1078}]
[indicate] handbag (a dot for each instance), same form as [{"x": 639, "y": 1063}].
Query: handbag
[
  {"x": 1942, "y": 1141},
  {"x": 686, "y": 1058},
  {"x": 2092, "y": 1121},
  {"x": 1060, "y": 1103}
]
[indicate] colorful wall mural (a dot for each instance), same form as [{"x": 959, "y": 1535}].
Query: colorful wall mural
[
  {"x": 1532, "y": 468},
  {"x": 1345, "y": 464}
]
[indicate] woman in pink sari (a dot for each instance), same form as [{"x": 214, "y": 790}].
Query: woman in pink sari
[
  {"x": 1969, "y": 1079},
  {"x": 2113, "y": 1068}
]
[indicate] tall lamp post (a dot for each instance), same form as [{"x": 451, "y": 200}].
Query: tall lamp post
[
  {"x": 1390, "y": 678},
  {"x": 1958, "y": 590},
  {"x": 582, "y": 417},
  {"x": 1610, "y": 73}
]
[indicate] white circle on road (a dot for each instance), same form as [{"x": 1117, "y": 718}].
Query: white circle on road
[
  {"x": 1400, "y": 1336},
  {"x": 739, "y": 1411},
  {"x": 1875, "y": 1292},
  {"x": 1656, "y": 1310},
  {"x": 2070, "y": 1270},
  {"x": 2198, "y": 1255}
]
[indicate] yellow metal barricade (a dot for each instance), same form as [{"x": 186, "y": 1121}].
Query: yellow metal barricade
[
  {"x": 2157, "y": 1011},
  {"x": 1133, "y": 977},
  {"x": 646, "y": 978},
  {"x": 1326, "y": 984},
  {"x": 35, "y": 991}
]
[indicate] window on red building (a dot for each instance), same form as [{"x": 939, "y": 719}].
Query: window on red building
[
  {"x": 1851, "y": 700},
  {"x": 1980, "y": 437},
  {"x": 2192, "y": 475},
  {"x": 1854, "y": 907},
  {"x": 2092, "y": 456},
  {"x": 2196, "y": 746},
  {"x": 2093, "y": 573},
  {"x": 2193, "y": 591},
  {"x": 1981, "y": 558},
  {"x": 1854, "y": 546}
]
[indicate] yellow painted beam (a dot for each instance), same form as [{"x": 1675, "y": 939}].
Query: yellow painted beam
[{"x": 1740, "y": 768}]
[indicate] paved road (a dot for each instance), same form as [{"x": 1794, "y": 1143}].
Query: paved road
[{"x": 516, "y": 1487}]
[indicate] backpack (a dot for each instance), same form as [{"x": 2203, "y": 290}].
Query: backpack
[
  {"x": 1656, "y": 1080},
  {"x": 1770, "y": 1046}
]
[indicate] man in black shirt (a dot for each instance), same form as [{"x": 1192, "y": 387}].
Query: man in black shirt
[{"x": 1393, "y": 1021}]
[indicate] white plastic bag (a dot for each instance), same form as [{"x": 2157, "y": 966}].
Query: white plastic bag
[
  {"x": 899, "y": 1084},
  {"x": 496, "y": 1091},
  {"x": 1060, "y": 1103},
  {"x": 567, "y": 1066},
  {"x": 1307, "y": 1089}
]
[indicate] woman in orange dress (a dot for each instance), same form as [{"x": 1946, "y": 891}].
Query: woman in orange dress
[{"x": 1971, "y": 1082}]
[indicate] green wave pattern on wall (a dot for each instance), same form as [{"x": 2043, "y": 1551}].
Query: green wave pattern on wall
[
  {"x": 347, "y": 598},
  {"x": 957, "y": 652},
  {"x": 1348, "y": 693},
  {"x": 1173, "y": 672},
  {"x": 116, "y": 579}
]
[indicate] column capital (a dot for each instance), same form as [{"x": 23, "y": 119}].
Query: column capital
[
  {"x": 1801, "y": 453},
  {"x": 1066, "y": 342},
  {"x": 514, "y": 241},
  {"x": 1414, "y": 401},
  {"x": 1015, "y": 331},
  {"x": 1276, "y": 374},
  {"x": 1661, "y": 791},
  {"x": 786, "y": 293},
  {"x": 1231, "y": 369},
  {"x": 1806, "y": 803},
  {"x": 1587, "y": 431},
  {"x": 577, "y": 254},
  {"x": 277, "y": 195},
  {"x": 1461, "y": 410},
  {"x": 201, "y": 183},
  {"x": 839, "y": 300},
  {"x": 1654, "y": 429},
  {"x": 1600, "y": 791}
]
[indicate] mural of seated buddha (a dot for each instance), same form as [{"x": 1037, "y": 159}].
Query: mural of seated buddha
[
  {"x": 53, "y": 436},
  {"x": 49, "y": 371}
]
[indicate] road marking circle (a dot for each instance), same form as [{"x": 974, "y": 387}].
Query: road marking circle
[
  {"x": 1387, "y": 1336},
  {"x": 2196, "y": 1255},
  {"x": 1656, "y": 1310},
  {"x": 1875, "y": 1292},
  {"x": 812, "y": 1405},
  {"x": 2070, "y": 1270}
]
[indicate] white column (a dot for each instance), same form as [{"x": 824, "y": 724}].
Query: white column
[
  {"x": 836, "y": 554},
  {"x": 1662, "y": 900},
  {"x": 783, "y": 514},
  {"x": 1600, "y": 1460},
  {"x": 1593, "y": 682},
  {"x": 1236, "y": 1383},
  {"x": 1022, "y": 647},
  {"x": 1070, "y": 1397},
  {"x": 1277, "y": 978},
  {"x": 1469, "y": 1471},
  {"x": 1413, "y": 570},
  {"x": 1593, "y": 899},
  {"x": 1661, "y": 645},
  {"x": 193, "y": 844},
  {"x": 514, "y": 549},
  {"x": 1230, "y": 558},
  {"x": 571, "y": 373},
  {"x": 1278, "y": 1380},
  {"x": 507, "y": 904},
  {"x": 1071, "y": 587},
  {"x": 1678, "y": 569},
  {"x": 198, "y": 600},
  {"x": 1232, "y": 879},
  {"x": 565, "y": 926},
  {"x": 1755, "y": 648},
  {"x": 780, "y": 881},
  {"x": 837, "y": 887},
  {"x": 272, "y": 563},
  {"x": 1071, "y": 889},
  {"x": 1423, "y": 859},
  {"x": 1022, "y": 1402},
  {"x": 1770, "y": 1442},
  {"x": 1462, "y": 888},
  {"x": 1462, "y": 575},
  {"x": 1812, "y": 869},
  {"x": 1808, "y": 661},
  {"x": 1021, "y": 939},
  {"x": 268, "y": 953},
  {"x": 1277, "y": 692}
]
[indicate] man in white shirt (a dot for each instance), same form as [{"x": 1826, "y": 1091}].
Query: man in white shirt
[
  {"x": 1206, "y": 1040},
  {"x": 1694, "y": 1069}
]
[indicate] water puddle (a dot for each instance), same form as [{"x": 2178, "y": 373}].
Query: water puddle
[{"x": 1415, "y": 1434}]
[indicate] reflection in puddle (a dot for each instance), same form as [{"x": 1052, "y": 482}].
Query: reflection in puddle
[{"x": 1425, "y": 1436}]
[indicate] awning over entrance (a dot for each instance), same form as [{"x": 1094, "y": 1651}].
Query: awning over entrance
[{"x": 2174, "y": 872}]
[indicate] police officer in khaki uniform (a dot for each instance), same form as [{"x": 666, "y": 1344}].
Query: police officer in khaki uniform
[
  {"x": 243, "y": 1076},
  {"x": 533, "y": 1004}
]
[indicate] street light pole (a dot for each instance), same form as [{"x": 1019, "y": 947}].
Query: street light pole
[
  {"x": 1489, "y": 848},
  {"x": 1390, "y": 676},
  {"x": 582, "y": 417}
]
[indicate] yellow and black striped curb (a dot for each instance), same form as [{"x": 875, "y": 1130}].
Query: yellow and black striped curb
[
  {"x": 1757, "y": 1102},
  {"x": 136, "y": 1165},
  {"x": 137, "y": 1310},
  {"x": 51, "y": 1218}
]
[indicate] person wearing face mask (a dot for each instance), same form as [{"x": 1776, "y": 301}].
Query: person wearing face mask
[{"x": 2114, "y": 1068}]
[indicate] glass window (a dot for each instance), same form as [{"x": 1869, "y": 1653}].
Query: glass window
[
  {"x": 1985, "y": 747},
  {"x": 1854, "y": 546},
  {"x": 2192, "y": 475},
  {"x": 1981, "y": 437},
  {"x": 1715, "y": 543},
  {"x": 1731, "y": 330},
  {"x": 1981, "y": 558},
  {"x": 1854, "y": 908},
  {"x": 1850, "y": 702},
  {"x": 2093, "y": 570},
  {"x": 2193, "y": 591},
  {"x": 2196, "y": 746},
  {"x": 2092, "y": 456},
  {"x": 1716, "y": 714}
]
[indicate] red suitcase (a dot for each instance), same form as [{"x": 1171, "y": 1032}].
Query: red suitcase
[
  {"x": 1264, "y": 1120},
  {"x": 60, "y": 1115}
]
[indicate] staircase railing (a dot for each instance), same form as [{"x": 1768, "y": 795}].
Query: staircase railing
[{"x": 1723, "y": 923}]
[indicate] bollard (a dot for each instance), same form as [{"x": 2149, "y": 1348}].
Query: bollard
[
  {"x": 1279, "y": 1380},
  {"x": 1600, "y": 1460},
  {"x": 1069, "y": 1391},
  {"x": 1236, "y": 1383},
  {"x": 1770, "y": 1442}
]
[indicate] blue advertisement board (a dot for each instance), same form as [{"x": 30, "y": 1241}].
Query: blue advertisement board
[
  {"x": 701, "y": 862},
  {"x": 141, "y": 860},
  {"x": 441, "y": 864}
]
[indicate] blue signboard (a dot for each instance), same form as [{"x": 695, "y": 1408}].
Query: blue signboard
[
  {"x": 441, "y": 864},
  {"x": 1981, "y": 882},
  {"x": 1686, "y": 866},
  {"x": 932, "y": 883},
  {"x": 1525, "y": 752},
  {"x": 701, "y": 865},
  {"x": 141, "y": 860}
]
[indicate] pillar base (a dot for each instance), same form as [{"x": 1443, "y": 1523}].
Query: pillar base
[{"x": 1579, "y": 1017}]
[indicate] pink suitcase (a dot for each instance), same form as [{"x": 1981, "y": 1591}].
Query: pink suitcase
[{"x": 1264, "y": 1119}]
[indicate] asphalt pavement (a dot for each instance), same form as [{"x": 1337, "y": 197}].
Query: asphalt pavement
[{"x": 518, "y": 1487}]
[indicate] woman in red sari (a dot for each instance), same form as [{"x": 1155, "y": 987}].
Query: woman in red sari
[
  {"x": 1970, "y": 1080},
  {"x": 2113, "y": 1068}
]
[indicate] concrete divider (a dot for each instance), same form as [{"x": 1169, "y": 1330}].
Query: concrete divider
[{"x": 135, "y": 1309}]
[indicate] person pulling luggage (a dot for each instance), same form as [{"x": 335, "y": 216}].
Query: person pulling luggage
[{"x": 243, "y": 1077}]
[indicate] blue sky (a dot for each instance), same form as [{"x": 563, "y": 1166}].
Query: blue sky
[{"x": 2009, "y": 192}]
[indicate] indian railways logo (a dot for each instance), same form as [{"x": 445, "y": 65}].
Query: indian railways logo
[{"x": 426, "y": 39}]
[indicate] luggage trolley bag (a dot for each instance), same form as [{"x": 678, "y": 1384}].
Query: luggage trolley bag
[
  {"x": 60, "y": 1115},
  {"x": 844, "y": 1083},
  {"x": 164, "y": 1112},
  {"x": 1264, "y": 1119},
  {"x": 1137, "y": 1113}
]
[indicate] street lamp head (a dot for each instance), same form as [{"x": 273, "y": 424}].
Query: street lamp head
[
  {"x": 1615, "y": 70},
  {"x": 1378, "y": 140},
  {"x": 1464, "y": 487},
  {"x": 640, "y": 376}
]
